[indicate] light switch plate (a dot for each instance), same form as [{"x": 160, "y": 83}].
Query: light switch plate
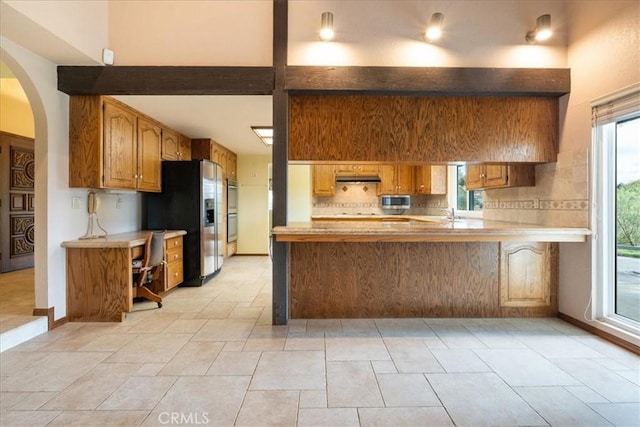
[
  {"x": 75, "y": 202},
  {"x": 107, "y": 56}
]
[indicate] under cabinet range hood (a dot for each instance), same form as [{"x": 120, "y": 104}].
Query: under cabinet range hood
[{"x": 357, "y": 178}]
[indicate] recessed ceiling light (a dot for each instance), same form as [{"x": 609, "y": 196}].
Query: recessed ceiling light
[{"x": 265, "y": 133}]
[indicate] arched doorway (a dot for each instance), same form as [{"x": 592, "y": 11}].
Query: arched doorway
[{"x": 18, "y": 129}]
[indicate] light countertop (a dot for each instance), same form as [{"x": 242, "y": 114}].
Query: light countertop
[
  {"x": 408, "y": 228},
  {"x": 120, "y": 240}
]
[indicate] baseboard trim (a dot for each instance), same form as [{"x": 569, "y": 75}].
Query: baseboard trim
[
  {"x": 599, "y": 332},
  {"x": 49, "y": 312},
  {"x": 251, "y": 254}
]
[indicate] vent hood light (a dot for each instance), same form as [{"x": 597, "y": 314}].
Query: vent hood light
[{"x": 357, "y": 179}]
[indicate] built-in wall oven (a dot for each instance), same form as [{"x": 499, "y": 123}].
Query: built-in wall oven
[{"x": 232, "y": 210}]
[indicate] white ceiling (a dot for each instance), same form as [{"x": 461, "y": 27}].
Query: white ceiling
[{"x": 226, "y": 119}]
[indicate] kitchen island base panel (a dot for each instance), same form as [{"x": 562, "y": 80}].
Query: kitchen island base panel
[
  {"x": 98, "y": 284},
  {"x": 385, "y": 279}
]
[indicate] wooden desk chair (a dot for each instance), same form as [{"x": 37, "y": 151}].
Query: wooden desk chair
[{"x": 143, "y": 269}]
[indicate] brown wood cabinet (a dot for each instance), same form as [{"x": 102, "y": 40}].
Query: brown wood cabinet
[
  {"x": 481, "y": 177},
  {"x": 396, "y": 179},
  {"x": 170, "y": 143},
  {"x": 430, "y": 179},
  {"x": 112, "y": 146},
  {"x": 174, "y": 263},
  {"x": 357, "y": 170},
  {"x": 184, "y": 148},
  {"x": 525, "y": 274},
  {"x": 149, "y": 157},
  {"x": 423, "y": 129},
  {"x": 324, "y": 180},
  {"x": 232, "y": 165}
]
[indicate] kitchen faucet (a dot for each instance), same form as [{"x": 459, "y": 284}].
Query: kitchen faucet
[{"x": 450, "y": 213}]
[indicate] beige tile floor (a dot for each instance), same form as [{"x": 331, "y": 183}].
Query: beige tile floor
[{"x": 211, "y": 357}]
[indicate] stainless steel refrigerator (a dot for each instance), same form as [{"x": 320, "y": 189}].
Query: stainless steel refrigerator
[{"x": 191, "y": 200}]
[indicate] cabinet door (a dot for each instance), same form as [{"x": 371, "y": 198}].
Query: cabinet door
[
  {"x": 184, "y": 148},
  {"x": 423, "y": 179},
  {"x": 387, "y": 183},
  {"x": 369, "y": 170},
  {"x": 119, "y": 147},
  {"x": 345, "y": 170},
  {"x": 525, "y": 274},
  {"x": 404, "y": 179},
  {"x": 222, "y": 157},
  {"x": 169, "y": 145},
  {"x": 149, "y": 155},
  {"x": 232, "y": 165},
  {"x": 474, "y": 178},
  {"x": 495, "y": 176},
  {"x": 324, "y": 180}
]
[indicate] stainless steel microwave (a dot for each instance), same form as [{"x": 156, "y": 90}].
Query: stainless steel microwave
[{"x": 395, "y": 201}]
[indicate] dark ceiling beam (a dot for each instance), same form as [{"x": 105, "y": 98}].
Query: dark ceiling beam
[
  {"x": 165, "y": 80},
  {"x": 553, "y": 82}
]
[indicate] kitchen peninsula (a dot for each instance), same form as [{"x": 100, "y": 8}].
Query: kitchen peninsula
[{"x": 423, "y": 267}]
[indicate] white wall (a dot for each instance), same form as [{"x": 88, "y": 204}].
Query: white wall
[
  {"x": 299, "y": 198},
  {"x": 476, "y": 33},
  {"x": 55, "y": 220},
  {"x": 175, "y": 32},
  {"x": 253, "y": 199},
  {"x": 604, "y": 56},
  {"x": 64, "y": 32}
]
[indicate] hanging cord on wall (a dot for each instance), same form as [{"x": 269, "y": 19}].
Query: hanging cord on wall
[
  {"x": 92, "y": 208},
  {"x": 587, "y": 308}
]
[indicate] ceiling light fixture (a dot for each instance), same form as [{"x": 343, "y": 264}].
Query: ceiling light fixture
[
  {"x": 326, "y": 26},
  {"x": 542, "y": 31},
  {"x": 434, "y": 30},
  {"x": 265, "y": 133}
]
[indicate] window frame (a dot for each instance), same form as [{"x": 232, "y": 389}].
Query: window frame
[
  {"x": 452, "y": 194},
  {"x": 603, "y": 215}
]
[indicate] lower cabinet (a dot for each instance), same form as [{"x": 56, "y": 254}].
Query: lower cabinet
[
  {"x": 525, "y": 274},
  {"x": 174, "y": 266}
]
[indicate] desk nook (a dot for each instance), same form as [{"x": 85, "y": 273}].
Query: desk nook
[{"x": 100, "y": 274}]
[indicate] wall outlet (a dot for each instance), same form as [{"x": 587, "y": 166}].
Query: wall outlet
[
  {"x": 119, "y": 202},
  {"x": 75, "y": 202}
]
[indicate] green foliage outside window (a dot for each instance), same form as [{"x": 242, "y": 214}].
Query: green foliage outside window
[{"x": 628, "y": 214}]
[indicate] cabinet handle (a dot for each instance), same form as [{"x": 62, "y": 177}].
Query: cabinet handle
[
  {"x": 175, "y": 274},
  {"x": 140, "y": 177},
  {"x": 135, "y": 176}
]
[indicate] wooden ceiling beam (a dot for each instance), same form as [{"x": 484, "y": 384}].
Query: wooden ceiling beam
[
  {"x": 165, "y": 80},
  {"x": 450, "y": 81}
]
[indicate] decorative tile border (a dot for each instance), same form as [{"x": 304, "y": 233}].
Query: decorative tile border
[{"x": 561, "y": 205}]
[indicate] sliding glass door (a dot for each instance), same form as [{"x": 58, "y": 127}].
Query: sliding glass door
[{"x": 627, "y": 219}]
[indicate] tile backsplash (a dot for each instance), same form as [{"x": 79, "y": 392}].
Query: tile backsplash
[
  {"x": 559, "y": 198},
  {"x": 354, "y": 199}
]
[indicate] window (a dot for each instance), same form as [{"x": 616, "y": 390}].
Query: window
[
  {"x": 469, "y": 202},
  {"x": 616, "y": 193}
]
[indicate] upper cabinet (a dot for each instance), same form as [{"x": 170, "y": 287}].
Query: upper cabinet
[
  {"x": 324, "y": 180},
  {"x": 112, "y": 146},
  {"x": 184, "y": 148},
  {"x": 430, "y": 179},
  {"x": 205, "y": 148},
  {"x": 396, "y": 179},
  {"x": 357, "y": 170},
  {"x": 149, "y": 156},
  {"x": 232, "y": 165},
  {"x": 170, "y": 145},
  {"x": 417, "y": 129},
  {"x": 481, "y": 177}
]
